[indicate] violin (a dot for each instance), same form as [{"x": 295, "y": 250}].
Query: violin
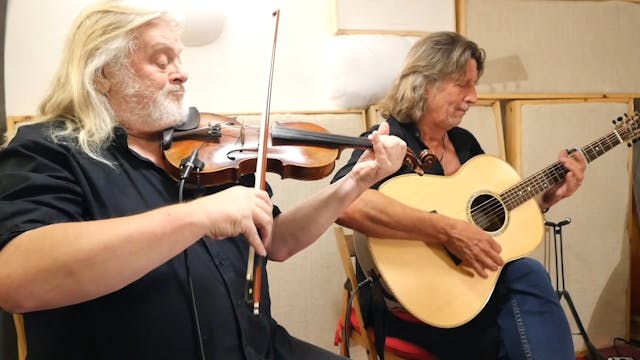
[
  {"x": 222, "y": 149},
  {"x": 228, "y": 149}
]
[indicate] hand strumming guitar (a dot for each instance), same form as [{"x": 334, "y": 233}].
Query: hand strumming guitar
[{"x": 473, "y": 246}]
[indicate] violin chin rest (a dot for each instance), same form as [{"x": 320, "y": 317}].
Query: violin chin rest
[
  {"x": 167, "y": 138},
  {"x": 192, "y": 121}
]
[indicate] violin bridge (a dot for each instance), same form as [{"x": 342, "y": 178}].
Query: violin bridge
[{"x": 243, "y": 134}]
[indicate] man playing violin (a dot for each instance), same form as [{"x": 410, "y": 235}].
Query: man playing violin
[
  {"x": 523, "y": 319},
  {"x": 97, "y": 253}
]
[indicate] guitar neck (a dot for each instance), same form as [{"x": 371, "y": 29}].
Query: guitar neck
[{"x": 556, "y": 172}]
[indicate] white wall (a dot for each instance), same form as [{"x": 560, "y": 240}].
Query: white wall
[{"x": 227, "y": 75}]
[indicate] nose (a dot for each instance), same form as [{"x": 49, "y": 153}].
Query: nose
[
  {"x": 471, "y": 96},
  {"x": 179, "y": 76}
]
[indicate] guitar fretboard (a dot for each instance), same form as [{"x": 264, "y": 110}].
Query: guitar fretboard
[{"x": 555, "y": 173}]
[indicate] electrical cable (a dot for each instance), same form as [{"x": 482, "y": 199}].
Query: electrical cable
[
  {"x": 187, "y": 166},
  {"x": 632, "y": 343},
  {"x": 347, "y": 315},
  {"x": 194, "y": 307}
]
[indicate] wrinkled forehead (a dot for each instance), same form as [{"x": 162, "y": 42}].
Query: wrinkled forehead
[{"x": 468, "y": 73}]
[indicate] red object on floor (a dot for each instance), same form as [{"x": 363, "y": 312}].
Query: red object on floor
[{"x": 394, "y": 345}]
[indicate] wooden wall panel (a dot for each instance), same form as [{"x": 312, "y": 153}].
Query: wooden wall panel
[
  {"x": 13, "y": 121},
  {"x": 596, "y": 244},
  {"x": 556, "y": 46}
]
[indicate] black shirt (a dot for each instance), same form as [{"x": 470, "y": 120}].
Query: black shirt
[
  {"x": 43, "y": 182},
  {"x": 371, "y": 300},
  {"x": 463, "y": 141}
]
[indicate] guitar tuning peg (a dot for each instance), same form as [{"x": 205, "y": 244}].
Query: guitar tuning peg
[
  {"x": 613, "y": 121},
  {"x": 629, "y": 144},
  {"x": 620, "y": 118}
]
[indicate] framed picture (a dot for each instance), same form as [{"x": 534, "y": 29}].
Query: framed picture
[{"x": 399, "y": 17}]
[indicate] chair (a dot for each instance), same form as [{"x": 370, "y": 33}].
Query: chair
[
  {"x": 22, "y": 338},
  {"x": 395, "y": 349}
]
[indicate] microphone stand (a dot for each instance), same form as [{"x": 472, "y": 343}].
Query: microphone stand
[{"x": 562, "y": 292}]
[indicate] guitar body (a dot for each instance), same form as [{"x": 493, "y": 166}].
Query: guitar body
[{"x": 425, "y": 279}]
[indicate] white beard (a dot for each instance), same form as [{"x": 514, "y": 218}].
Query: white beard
[
  {"x": 144, "y": 108},
  {"x": 165, "y": 111}
]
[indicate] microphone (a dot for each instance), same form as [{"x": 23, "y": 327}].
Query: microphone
[{"x": 188, "y": 164}]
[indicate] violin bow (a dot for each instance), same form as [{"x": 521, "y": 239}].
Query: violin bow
[{"x": 255, "y": 263}]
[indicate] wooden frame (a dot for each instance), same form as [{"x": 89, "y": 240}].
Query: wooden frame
[
  {"x": 522, "y": 139},
  {"x": 21, "y": 335},
  {"x": 514, "y": 131},
  {"x": 397, "y": 17},
  {"x": 358, "y": 337},
  {"x": 15, "y": 120}
]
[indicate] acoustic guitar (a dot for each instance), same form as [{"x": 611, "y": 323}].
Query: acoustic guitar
[{"x": 427, "y": 280}]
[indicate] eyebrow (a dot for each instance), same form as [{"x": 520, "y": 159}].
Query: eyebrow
[{"x": 164, "y": 45}]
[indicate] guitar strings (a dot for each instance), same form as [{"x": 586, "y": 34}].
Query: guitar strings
[{"x": 491, "y": 208}]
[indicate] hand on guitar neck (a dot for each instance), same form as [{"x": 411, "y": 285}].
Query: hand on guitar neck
[{"x": 576, "y": 164}]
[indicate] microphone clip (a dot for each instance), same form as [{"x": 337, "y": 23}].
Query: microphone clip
[{"x": 190, "y": 163}]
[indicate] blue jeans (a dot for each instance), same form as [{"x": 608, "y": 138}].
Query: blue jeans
[
  {"x": 532, "y": 323},
  {"x": 522, "y": 320}
]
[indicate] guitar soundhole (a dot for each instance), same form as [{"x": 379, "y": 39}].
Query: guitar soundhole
[{"x": 488, "y": 213}]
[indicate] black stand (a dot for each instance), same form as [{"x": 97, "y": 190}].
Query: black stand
[{"x": 560, "y": 289}]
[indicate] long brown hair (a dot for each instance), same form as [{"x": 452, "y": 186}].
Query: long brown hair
[{"x": 430, "y": 60}]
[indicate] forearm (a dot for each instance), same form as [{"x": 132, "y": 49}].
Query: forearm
[
  {"x": 378, "y": 215},
  {"x": 299, "y": 227},
  {"x": 68, "y": 263}
]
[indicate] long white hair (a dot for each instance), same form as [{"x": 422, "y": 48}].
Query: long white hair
[{"x": 102, "y": 34}]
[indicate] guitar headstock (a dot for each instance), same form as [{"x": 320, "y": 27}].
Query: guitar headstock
[{"x": 628, "y": 127}]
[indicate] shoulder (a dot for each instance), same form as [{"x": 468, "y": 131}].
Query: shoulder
[
  {"x": 462, "y": 133},
  {"x": 465, "y": 143},
  {"x": 400, "y": 129},
  {"x": 40, "y": 146},
  {"x": 42, "y": 134}
]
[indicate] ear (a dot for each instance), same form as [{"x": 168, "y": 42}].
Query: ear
[{"x": 102, "y": 83}]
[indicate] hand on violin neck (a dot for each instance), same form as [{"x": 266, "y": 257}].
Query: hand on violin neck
[{"x": 385, "y": 158}]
